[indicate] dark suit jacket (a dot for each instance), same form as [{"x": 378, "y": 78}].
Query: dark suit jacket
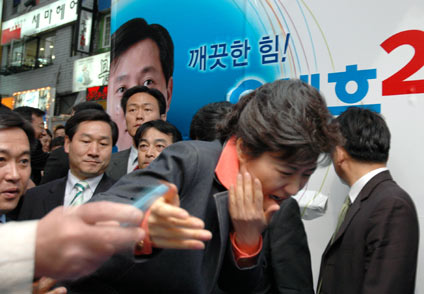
[
  {"x": 14, "y": 214},
  {"x": 38, "y": 161},
  {"x": 57, "y": 166},
  {"x": 118, "y": 164},
  {"x": 190, "y": 165},
  {"x": 375, "y": 250},
  {"x": 288, "y": 260},
  {"x": 40, "y": 200}
]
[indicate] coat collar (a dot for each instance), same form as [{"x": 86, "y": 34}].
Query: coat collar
[
  {"x": 57, "y": 192},
  {"x": 221, "y": 202},
  {"x": 227, "y": 167}
]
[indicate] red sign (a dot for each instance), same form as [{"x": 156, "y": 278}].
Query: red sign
[
  {"x": 398, "y": 83},
  {"x": 97, "y": 93},
  {"x": 8, "y": 35}
]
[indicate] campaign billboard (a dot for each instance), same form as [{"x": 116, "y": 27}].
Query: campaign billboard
[{"x": 357, "y": 53}]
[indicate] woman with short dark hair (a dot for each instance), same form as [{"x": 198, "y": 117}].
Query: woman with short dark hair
[{"x": 227, "y": 192}]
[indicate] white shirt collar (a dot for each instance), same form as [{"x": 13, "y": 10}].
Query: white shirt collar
[
  {"x": 360, "y": 184},
  {"x": 132, "y": 159},
  {"x": 3, "y": 218},
  {"x": 87, "y": 194}
]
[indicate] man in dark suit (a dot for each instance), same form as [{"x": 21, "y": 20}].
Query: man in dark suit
[
  {"x": 57, "y": 164},
  {"x": 90, "y": 135},
  {"x": 16, "y": 135},
  {"x": 374, "y": 248},
  {"x": 38, "y": 156},
  {"x": 140, "y": 104},
  {"x": 75, "y": 240}
]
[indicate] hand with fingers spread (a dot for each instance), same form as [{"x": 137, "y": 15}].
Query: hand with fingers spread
[
  {"x": 246, "y": 210},
  {"x": 172, "y": 227},
  {"x": 71, "y": 243}
]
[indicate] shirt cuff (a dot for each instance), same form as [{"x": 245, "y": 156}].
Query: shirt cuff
[
  {"x": 245, "y": 256},
  {"x": 144, "y": 247}
]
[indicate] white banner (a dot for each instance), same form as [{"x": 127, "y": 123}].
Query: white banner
[
  {"x": 91, "y": 71},
  {"x": 47, "y": 17}
]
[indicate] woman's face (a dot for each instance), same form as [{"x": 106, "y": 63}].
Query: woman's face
[
  {"x": 280, "y": 180},
  {"x": 45, "y": 142}
]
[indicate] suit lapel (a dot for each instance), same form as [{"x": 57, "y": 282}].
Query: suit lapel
[
  {"x": 121, "y": 162},
  {"x": 353, "y": 210},
  {"x": 104, "y": 184},
  {"x": 356, "y": 206},
  {"x": 221, "y": 202},
  {"x": 56, "y": 195}
]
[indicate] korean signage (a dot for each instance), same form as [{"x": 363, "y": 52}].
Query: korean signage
[
  {"x": 254, "y": 42},
  {"x": 84, "y": 31},
  {"x": 47, "y": 17},
  {"x": 97, "y": 94},
  {"x": 42, "y": 98},
  {"x": 91, "y": 71}
]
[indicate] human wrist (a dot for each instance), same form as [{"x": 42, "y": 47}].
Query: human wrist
[{"x": 249, "y": 243}]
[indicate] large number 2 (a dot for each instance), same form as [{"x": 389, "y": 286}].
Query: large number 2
[{"x": 396, "y": 84}]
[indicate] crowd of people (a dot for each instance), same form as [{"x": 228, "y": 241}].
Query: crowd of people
[{"x": 227, "y": 222}]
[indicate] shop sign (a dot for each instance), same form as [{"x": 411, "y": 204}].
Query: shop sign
[{"x": 39, "y": 20}]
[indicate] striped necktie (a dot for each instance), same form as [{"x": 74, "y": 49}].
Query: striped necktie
[{"x": 78, "y": 198}]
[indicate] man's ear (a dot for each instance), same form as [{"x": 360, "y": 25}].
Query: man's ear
[
  {"x": 163, "y": 117},
  {"x": 241, "y": 153},
  {"x": 67, "y": 142},
  {"x": 339, "y": 155}
]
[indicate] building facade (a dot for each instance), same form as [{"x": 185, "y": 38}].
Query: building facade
[{"x": 40, "y": 44}]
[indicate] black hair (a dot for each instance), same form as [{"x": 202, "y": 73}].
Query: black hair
[
  {"x": 288, "y": 117},
  {"x": 48, "y": 132},
  {"x": 366, "y": 134},
  {"x": 204, "y": 123},
  {"x": 26, "y": 112},
  {"x": 137, "y": 30},
  {"x": 143, "y": 89},
  {"x": 58, "y": 141},
  {"x": 87, "y": 105},
  {"x": 10, "y": 119},
  {"x": 160, "y": 125},
  {"x": 58, "y": 127},
  {"x": 72, "y": 124}
]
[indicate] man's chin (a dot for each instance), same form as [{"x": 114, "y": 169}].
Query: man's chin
[
  {"x": 8, "y": 206},
  {"x": 91, "y": 174}
]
